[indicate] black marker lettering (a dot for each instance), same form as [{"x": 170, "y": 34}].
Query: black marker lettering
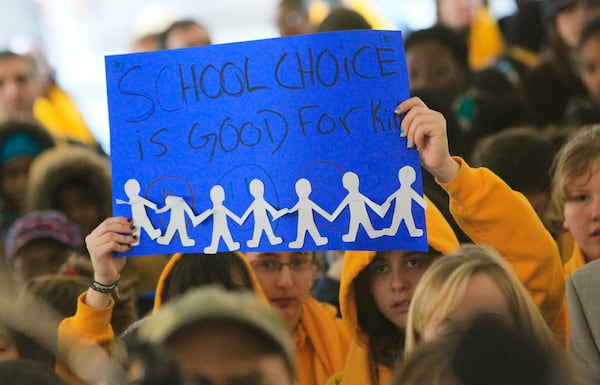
[
  {"x": 158, "y": 98},
  {"x": 160, "y": 144},
  {"x": 203, "y": 85},
  {"x": 239, "y": 87},
  {"x": 355, "y": 60},
  {"x": 381, "y": 61},
  {"x": 336, "y": 74},
  {"x": 277, "y": 74},
  {"x": 145, "y": 115},
  {"x": 249, "y": 87}
]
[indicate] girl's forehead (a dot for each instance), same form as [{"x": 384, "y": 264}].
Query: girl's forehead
[
  {"x": 390, "y": 254},
  {"x": 589, "y": 173}
]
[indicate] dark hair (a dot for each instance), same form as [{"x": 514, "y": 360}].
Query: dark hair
[
  {"x": 36, "y": 131},
  {"x": 177, "y": 25},
  {"x": 343, "y": 19},
  {"x": 298, "y": 5},
  {"x": 60, "y": 291},
  {"x": 522, "y": 157},
  {"x": 496, "y": 104},
  {"x": 527, "y": 29},
  {"x": 197, "y": 269},
  {"x": 591, "y": 29},
  {"x": 447, "y": 37},
  {"x": 515, "y": 358},
  {"x": 386, "y": 340},
  {"x": 559, "y": 58},
  {"x": 33, "y": 130},
  {"x": 7, "y": 55}
]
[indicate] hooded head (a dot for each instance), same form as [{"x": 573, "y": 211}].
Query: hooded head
[
  {"x": 184, "y": 271},
  {"x": 441, "y": 240}
]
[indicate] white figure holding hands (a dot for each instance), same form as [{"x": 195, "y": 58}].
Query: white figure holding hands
[
  {"x": 220, "y": 213},
  {"x": 357, "y": 204},
  {"x": 179, "y": 208},
  {"x": 260, "y": 209},
  {"x": 138, "y": 210},
  {"x": 403, "y": 206},
  {"x": 306, "y": 221}
]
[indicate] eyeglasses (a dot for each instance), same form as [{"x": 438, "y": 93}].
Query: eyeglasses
[{"x": 274, "y": 266}]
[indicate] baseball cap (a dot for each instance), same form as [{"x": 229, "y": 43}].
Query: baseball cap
[
  {"x": 215, "y": 303},
  {"x": 47, "y": 224}
]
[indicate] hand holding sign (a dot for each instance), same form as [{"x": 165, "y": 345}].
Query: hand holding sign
[{"x": 275, "y": 109}]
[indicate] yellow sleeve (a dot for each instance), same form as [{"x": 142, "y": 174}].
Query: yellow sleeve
[
  {"x": 88, "y": 327},
  {"x": 493, "y": 214}
]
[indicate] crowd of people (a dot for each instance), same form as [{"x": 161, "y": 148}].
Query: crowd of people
[{"x": 505, "y": 115}]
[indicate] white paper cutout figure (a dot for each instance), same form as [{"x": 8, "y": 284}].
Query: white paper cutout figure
[
  {"x": 138, "y": 210},
  {"x": 259, "y": 208},
  {"x": 220, "y": 226},
  {"x": 357, "y": 203},
  {"x": 403, "y": 207},
  {"x": 306, "y": 221},
  {"x": 179, "y": 208}
]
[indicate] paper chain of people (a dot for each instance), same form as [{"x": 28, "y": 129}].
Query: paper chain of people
[{"x": 355, "y": 201}]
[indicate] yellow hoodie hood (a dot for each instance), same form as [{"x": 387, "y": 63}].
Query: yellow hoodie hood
[
  {"x": 440, "y": 237},
  {"x": 171, "y": 265}
]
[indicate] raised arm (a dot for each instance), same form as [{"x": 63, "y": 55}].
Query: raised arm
[
  {"x": 91, "y": 323},
  {"x": 490, "y": 212}
]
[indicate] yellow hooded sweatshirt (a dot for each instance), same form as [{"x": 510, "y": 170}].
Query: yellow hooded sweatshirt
[
  {"x": 485, "y": 39},
  {"x": 322, "y": 341},
  {"x": 490, "y": 213},
  {"x": 177, "y": 257},
  {"x": 321, "y": 338},
  {"x": 91, "y": 326},
  {"x": 58, "y": 113}
]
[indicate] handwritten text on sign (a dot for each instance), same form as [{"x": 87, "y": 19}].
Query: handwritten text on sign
[{"x": 278, "y": 144}]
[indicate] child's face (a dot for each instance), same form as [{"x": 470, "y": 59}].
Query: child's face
[
  {"x": 590, "y": 67},
  {"x": 571, "y": 19},
  {"x": 39, "y": 257},
  {"x": 81, "y": 208},
  {"x": 482, "y": 296},
  {"x": 581, "y": 211},
  {"x": 431, "y": 65},
  {"x": 18, "y": 88},
  {"x": 458, "y": 13},
  {"x": 14, "y": 179},
  {"x": 393, "y": 276},
  {"x": 286, "y": 279}
]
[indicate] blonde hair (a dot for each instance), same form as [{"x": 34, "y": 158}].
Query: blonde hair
[
  {"x": 442, "y": 286},
  {"x": 574, "y": 159}
]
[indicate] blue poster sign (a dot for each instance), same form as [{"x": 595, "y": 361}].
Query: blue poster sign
[{"x": 278, "y": 144}]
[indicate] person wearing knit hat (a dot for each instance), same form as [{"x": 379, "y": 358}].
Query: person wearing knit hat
[
  {"x": 20, "y": 143},
  {"x": 38, "y": 243},
  {"x": 377, "y": 287},
  {"x": 199, "y": 327}
]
